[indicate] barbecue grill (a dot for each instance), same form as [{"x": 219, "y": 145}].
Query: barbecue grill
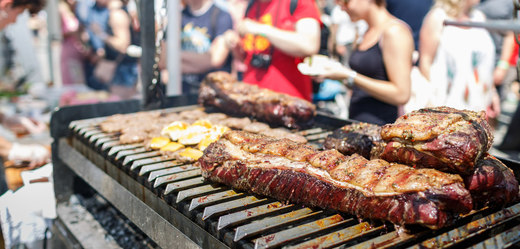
[{"x": 172, "y": 204}]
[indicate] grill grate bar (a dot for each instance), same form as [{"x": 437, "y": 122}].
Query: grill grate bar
[
  {"x": 248, "y": 214},
  {"x": 301, "y": 231},
  {"x": 230, "y": 206},
  {"x": 385, "y": 241},
  {"x": 176, "y": 186},
  {"x": 155, "y": 174},
  {"x": 139, "y": 163},
  {"x": 101, "y": 141},
  {"x": 125, "y": 153},
  {"x": 83, "y": 130},
  {"x": 198, "y": 191},
  {"x": 339, "y": 237},
  {"x": 318, "y": 136},
  {"x": 157, "y": 166},
  {"x": 266, "y": 224},
  {"x": 131, "y": 158},
  {"x": 502, "y": 240},
  {"x": 176, "y": 177},
  {"x": 310, "y": 131},
  {"x": 114, "y": 150},
  {"x": 109, "y": 144},
  {"x": 471, "y": 229},
  {"x": 213, "y": 199},
  {"x": 95, "y": 134}
]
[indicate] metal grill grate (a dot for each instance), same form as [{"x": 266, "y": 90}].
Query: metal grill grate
[{"x": 242, "y": 220}]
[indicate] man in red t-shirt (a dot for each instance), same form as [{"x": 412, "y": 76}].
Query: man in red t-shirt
[{"x": 273, "y": 41}]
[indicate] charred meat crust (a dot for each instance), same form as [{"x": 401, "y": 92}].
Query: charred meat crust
[
  {"x": 370, "y": 189},
  {"x": 492, "y": 183},
  {"x": 357, "y": 138},
  {"x": 221, "y": 90},
  {"x": 443, "y": 138}
]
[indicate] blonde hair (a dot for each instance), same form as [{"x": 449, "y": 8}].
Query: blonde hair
[{"x": 452, "y": 7}]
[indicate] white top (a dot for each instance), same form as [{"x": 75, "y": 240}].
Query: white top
[{"x": 462, "y": 71}]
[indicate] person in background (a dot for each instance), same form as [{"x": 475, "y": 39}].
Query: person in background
[
  {"x": 95, "y": 20},
  {"x": 345, "y": 33},
  {"x": 504, "y": 74},
  {"x": 35, "y": 154},
  {"x": 458, "y": 61},
  {"x": 203, "y": 48},
  {"x": 412, "y": 12},
  {"x": 272, "y": 41},
  {"x": 73, "y": 51},
  {"x": 237, "y": 9},
  {"x": 117, "y": 37},
  {"x": 380, "y": 67}
]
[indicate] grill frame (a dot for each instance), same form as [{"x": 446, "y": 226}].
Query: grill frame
[{"x": 190, "y": 229}]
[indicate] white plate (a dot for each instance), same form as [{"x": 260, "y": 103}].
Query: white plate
[{"x": 305, "y": 69}]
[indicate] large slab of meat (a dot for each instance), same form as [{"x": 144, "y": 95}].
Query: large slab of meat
[
  {"x": 443, "y": 138},
  {"x": 491, "y": 183},
  {"x": 374, "y": 189},
  {"x": 221, "y": 90}
]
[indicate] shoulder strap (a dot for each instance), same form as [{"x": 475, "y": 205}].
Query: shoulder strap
[
  {"x": 249, "y": 4},
  {"x": 292, "y": 7},
  {"x": 214, "y": 15}
]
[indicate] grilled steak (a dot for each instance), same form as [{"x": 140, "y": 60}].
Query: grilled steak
[
  {"x": 357, "y": 138},
  {"x": 374, "y": 189},
  {"x": 492, "y": 183},
  {"x": 221, "y": 90},
  {"x": 443, "y": 138}
]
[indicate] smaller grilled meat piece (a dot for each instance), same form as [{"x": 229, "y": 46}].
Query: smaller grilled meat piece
[
  {"x": 357, "y": 138},
  {"x": 295, "y": 172},
  {"x": 492, "y": 183},
  {"x": 443, "y": 138},
  {"x": 221, "y": 90}
]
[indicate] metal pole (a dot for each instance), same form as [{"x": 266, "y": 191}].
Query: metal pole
[
  {"x": 496, "y": 26},
  {"x": 147, "y": 22},
  {"x": 173, "y": 48},
  {"x": 54, "y": 40}
]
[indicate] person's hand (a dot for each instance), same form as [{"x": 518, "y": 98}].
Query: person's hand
[
  {"x": 35, "y": 154},
  {"x": 232, "y": 39},
  {"x": 248, "y": 26}
]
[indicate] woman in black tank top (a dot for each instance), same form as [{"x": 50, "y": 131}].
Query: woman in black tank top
[{"x": 380, "y": 66}]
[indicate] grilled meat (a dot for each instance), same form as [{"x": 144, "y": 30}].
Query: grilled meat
[
  {"x": 221, "y": 90},
  {"x": 443, "y": 138},
  {"x": 492, "y": 183},
  {"x": 374, "y": 189},
  {"x": 357, "y": 138}
]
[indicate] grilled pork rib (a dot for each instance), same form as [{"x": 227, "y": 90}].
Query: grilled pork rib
[
  {"x": 374, "y": 189},
  {"x": 221, "y": 90},
  {"x": 443, "y": 138}
]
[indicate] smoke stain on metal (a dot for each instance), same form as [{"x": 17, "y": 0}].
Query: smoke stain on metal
[
  {"x": 176, "y": 186},
  {"x": 172, "y": 170}
]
